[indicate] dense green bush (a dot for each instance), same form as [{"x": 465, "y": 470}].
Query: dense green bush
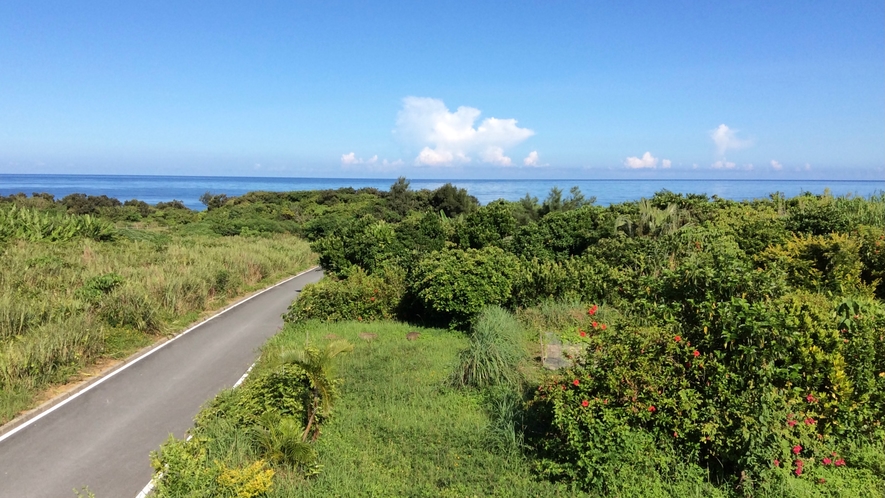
[
  {"x": 752, "y": 383},
  {"x": 455, "y": 285},
  {"x": 488, "y": 225},
  {"x": 283, "y": 390},
  {"x": 359, "y": 297}
]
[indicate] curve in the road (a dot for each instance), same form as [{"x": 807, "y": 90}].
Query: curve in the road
[{"x": 101, "y": 436}]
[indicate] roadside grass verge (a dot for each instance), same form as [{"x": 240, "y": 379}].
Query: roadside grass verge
[
  {"x": 64, "y": 305},
  {"x": 399, "y": 429}
]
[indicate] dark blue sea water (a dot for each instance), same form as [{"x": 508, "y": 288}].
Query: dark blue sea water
[{"x": 153, "y": 189}]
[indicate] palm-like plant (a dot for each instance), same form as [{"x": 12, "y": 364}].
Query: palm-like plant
[
  {"x": 319, "y": 366},
  {"x": 281, "y": 440}
]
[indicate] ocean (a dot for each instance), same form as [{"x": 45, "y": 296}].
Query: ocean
[{"x": 188, "y": 189}]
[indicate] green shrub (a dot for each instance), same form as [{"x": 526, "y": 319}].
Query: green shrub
[
  {"x": 455, "y": 285},
  {"x": 817, "y": 216},
  {"x": 97, "y": 287},
  {"x": 488, "y": 225},
  {"x": 358, "y": 297},
  {"x": 283, "y": 390},
  {"x": 743, "y": 387},
  {"x": 829, "y": 262}
]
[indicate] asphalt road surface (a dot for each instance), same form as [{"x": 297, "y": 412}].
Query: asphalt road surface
[{"x": 102, "y": 437}]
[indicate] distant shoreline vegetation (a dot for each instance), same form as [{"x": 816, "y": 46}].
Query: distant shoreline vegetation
[{"x": 188, "y": 189}]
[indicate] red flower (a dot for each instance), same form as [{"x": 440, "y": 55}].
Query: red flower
[
  {"x": 696, "y": 353},
  {"x": 677, "y": 338},
  {"x": 838, "y": 463},
  {"x": 372, "y": 298},
  {"x": 583, "y": 334},
  {"x": 791, "y": 423},
  {"x": 675, "y": 434},
  {"x": 594, "y": 325},
  {"x": 809, "y": 421},
  {"x": 798, "y": 471},
  {"x": 576, "y": 382},
  {"x": 585, "y": 403},
  {"x": 797, "y": 449},
  {"x": 777, "y": 463},
  {"x": 592, "y": 310},
  {"x": 652, "y": 408},
  {"x": 826, "y": 460},
  {"x": 602, "y": 326},
  {"x": 810, "y": 398},
  {"x": 821, "y": 480}
]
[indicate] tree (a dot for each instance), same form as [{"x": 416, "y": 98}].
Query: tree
[
  {"x": 400, "y": 199},
  {"x": 452, "y": 200},
  {"x": 213, "y": 201}
]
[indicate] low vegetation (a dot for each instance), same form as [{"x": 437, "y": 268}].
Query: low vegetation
[
  {"x": 77, "y": 288},
  {"x": 696, "y": 346}
]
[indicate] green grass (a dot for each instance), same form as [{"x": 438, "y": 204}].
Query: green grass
[
  {"x": 64, "y": 304},
  {"x": 398, "y": 430}
]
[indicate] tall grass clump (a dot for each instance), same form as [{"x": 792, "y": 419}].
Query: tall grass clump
[{"x": 495, "y": 351}]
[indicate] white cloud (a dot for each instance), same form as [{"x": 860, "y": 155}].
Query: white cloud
[
  {"x": 807, "y": 167},
  {"x": 749, "y": 167},
  {"x": 495, "y": 155},
  {"x": 646, "y": 161},
  {"x": 531, "y": 159},
  {"x": 450, "y": 137},
  {"x": 776, "y": 165},
  {"x": 723, "y": 165},
  {"x": 725, "y": 138},
  {"x": 666, "y": 163},
  {"x": 350, "y": 159}
]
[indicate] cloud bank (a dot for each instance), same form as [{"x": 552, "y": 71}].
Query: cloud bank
[{"x": 448, "y": 138}]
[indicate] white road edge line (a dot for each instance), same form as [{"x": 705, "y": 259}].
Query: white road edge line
[{"x": 145, "y": 355}]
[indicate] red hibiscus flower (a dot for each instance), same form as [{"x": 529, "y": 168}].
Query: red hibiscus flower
[{"x": 585, "y": 403}]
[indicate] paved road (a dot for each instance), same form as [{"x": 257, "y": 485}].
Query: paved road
[{"x": 102, "y": 438}]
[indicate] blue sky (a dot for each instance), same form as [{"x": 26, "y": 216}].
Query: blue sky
[{"x": 445, "y": 89}]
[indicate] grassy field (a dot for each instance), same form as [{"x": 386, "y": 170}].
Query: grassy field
[
  {"x": 66, "y": 304},
  {"x": 398, "y": 430}
]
